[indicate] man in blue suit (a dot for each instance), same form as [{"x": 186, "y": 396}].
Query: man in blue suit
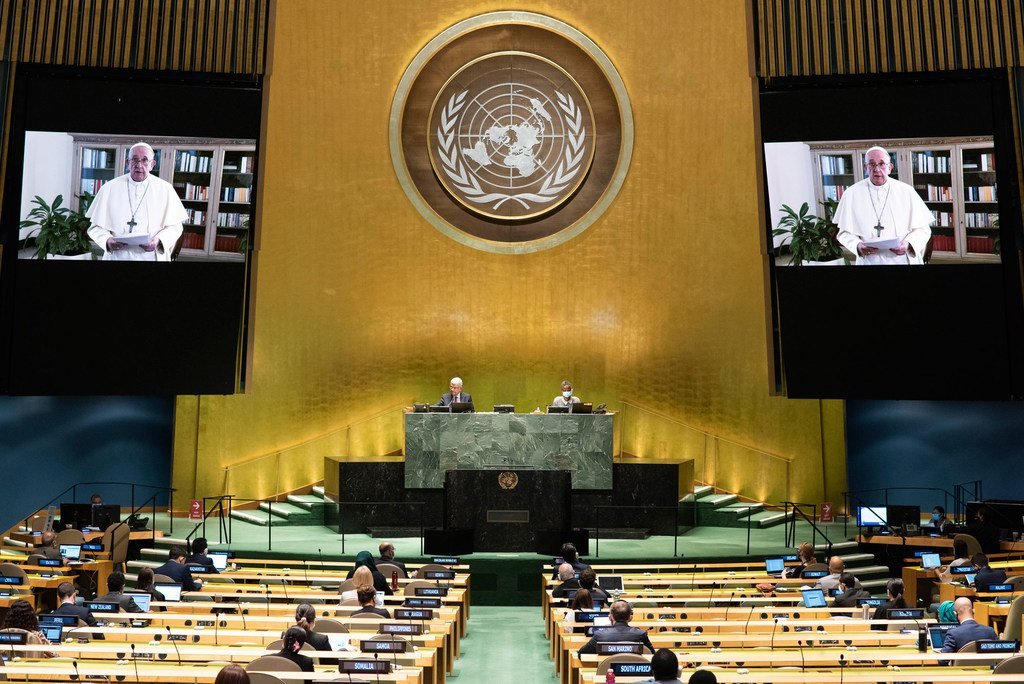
[
  {"x": 620, "y": 613},
  {"x": 176, "y": 570},
  {"x": 455, "y": 394},
  {"x": 968, "y": 631}
]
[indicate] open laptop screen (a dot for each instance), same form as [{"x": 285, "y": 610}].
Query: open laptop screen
[
  {"x": 813, "y": 598},
  {"x": 220, "y": 560},
  {"x": 930, "y": 560},
  {"x": 171, "y": 591},
  {"x": 773, "y": 566},
  {"x": 610, "y": 582},
  {"x": 141, "y": 600},
  {"x": 71, "y": 551}
]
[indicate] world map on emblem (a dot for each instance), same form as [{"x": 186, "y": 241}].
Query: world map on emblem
[{"x": 511, "y": 136}]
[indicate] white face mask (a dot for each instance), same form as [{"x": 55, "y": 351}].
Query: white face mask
[{"x": 567, "y": 394}]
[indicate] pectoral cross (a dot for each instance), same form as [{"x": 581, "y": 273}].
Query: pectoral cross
[
  {"x": 878, "y": 229},
  {"x": 131, "y": 224}
]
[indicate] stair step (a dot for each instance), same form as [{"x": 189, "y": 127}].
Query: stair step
[
  {"x": 770, "y": 518},
  {"x": 307, "y": 502},
  {"x": 283, "y": 510},
  {"x": 838, "y": 546},
  {"x": 741, "y": 509},
  {"x": 852, "y": 559},
  {"x": 318, "y": 490},
  {"x": 261, "y": 518},
  {"x": 717, "y": 500},
  {"x": 698, "y": 492}
]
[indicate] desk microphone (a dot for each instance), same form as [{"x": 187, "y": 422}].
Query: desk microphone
[
  {"x": 711, "y": 595},
  {"x": 321, "y": 554},
  {"x": 375, "y": 657},
  {"x": 242, "y": 612},
  {"x": 74, "y": 664},
  {"x": 750, "y": 615},
  {"x": 800, "y": 645},
  {"x": 284, "y": 587},
  {"x": 771, "y": 643},
  {"x": 729, "y": 604},
  {"x": 842, "y": 666},
  {"x": 268, "y": 599},
  {"x": 216, "y": 628},
  {"x": 173, "y": 643},
  {"x": 135, "y": 662}
]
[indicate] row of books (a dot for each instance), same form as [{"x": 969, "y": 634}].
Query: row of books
[
  {"x": 194, "y": 163},
  {"x": 974, "y": 219},
  {"x": 97, "y": 159},
  {"x": 980, "y": 193},
  {"x": 193, "y": 240},
  {"x": 935, "y": 193},
  {"x": 235, "y": 194},
  {"x": 190, "y": 191},
  {"x": 230, "y": 219},
  {"x": 92, "y": 185},
  {"x": 943, "y": 219},
  {"x": 245, "y": 165},
  {"x": 985, "y": 162},
  {"x": 196, "y": 217},
  {"x": 834, "y": 191},
  {"x": 975, "y": 245},
  {"x": 835, "y": 166},
  {"x": 925, "y": 162}
]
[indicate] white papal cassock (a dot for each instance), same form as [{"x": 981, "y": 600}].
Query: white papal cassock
[
  {"x": 158, "y": 213},
  {"x": 901, "y": 212}
]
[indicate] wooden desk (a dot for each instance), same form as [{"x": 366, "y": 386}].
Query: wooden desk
[
  {"x": 63, "y": 672},
  {"x": 136, "y": 535}
]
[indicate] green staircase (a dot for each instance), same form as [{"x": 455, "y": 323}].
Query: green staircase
[
  {"x": 297, "y": 509},
  {"x": 726, "y": 510}
]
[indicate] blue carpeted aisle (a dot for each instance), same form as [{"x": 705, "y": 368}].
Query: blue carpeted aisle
[{"x": 504, "y": 645}]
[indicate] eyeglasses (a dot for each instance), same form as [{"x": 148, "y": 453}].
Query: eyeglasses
[
  {"x": 138, "y": 160},
  {"x": 878, "y": 165}
]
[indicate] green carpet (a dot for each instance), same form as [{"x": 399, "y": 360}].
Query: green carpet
[{"x": 504, "y": 645}]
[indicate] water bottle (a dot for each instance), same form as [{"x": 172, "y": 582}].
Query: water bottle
[
  {"x": 922, "y": 640},
  {"x": 609, "y": 677},
  {"x": 394, "y": 580}
]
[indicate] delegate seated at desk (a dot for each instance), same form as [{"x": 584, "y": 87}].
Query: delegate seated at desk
[
  {"x": 199, "y": 557},
  {"x": 968, "y": 630},
  {"x": 176, "y": 570},
  {"x": 566, "y": 397},
  {"x": 115, "y": 594},
  {"x": 455, "y": 395},
  {"x": 620, "y": 614},
  {"x": 66, "y": 594},
  {"x": 47, "y": 547}
]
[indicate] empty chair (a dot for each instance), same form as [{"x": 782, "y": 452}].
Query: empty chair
[
  {"x": 115, "y": 542},
  {"x": 162, "y": 579},
  {"x": 71, "y": 536},
  {"x": 1012, "y": 665},
  {"x": 272, "y": 663},
  {"x": 330, "y": 626},
  {"x": 973, "y": 545},
  {"x": 410, "y": 588},
  {"x": 369, "y": 616},
  {"x": 12, "y": 570},
  {"x": 430, "y": 567},
  {"x": 386, "y": 569},
  {"x": 1013, "y": 620},
  {"x": 606, "y": 663},
  {"x": 972, "y": 647}
]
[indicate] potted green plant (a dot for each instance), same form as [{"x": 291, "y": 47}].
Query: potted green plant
[
  {"x": 808, "y": 237},
  {"x": 59, "y": 231}
]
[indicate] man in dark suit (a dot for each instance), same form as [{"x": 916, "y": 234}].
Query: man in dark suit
[
  {"x": 588, "y": 581},
  {"x": 115, "y": 594},
  {"x": 851, "y": 592},
  {"x": 986, "y": 575},
  {"x": 568, "y": 578},
  {"x": 66, "y": 594},
  {"x": 620, "y": 614},
  {"x": 455, "y": 394},
  {"x": 968, "y": 631},
  {"x": 387, "y": 555},
  {"x": 199, "y": 557},
  {"x": 176, "y": 570}
]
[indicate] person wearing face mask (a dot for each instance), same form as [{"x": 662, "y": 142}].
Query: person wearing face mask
[
  {"x": 566, "y": 397},
  {"x": 939, "y": 522}
]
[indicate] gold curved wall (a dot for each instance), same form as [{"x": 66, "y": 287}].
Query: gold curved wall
[{"x": 355, "y": 312}]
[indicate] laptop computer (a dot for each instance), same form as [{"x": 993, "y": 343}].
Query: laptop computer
[
  {"x": 969, "y": 578},
  {"x": 220, "y": 560},
  {"x": 71, "y": 551},
  {"x": 141, "y": 600},
  {"x": 930, "y": 560},
  {"x": 610, "y": 582},
  {"x": 558, "y": 409},
  {"x": 461, "y": 407},
  {"x": 774, "y": 566},
  {"x": 583, "y": 407},
  {"x": 813, "y": 598},
  {"x": 170, "y": 590},
  {"x": 52, "y": 631},
  {"x": 937, "y": 634}
]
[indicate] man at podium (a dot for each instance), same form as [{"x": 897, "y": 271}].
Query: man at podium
[
  {"x": 566, "y": 397},
  {"x": 455, "y": 395}
]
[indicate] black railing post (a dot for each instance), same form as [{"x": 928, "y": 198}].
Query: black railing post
[
  {"x": 748, "y": 530},
  {"x": 270, "y": 524},
  {"x": 675, "y": 530},
  {"x": 597, "y": 532},
  {"x": 421, "y": 529}
]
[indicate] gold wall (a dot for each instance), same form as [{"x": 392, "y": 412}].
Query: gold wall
[{"x": 354, "y": 311}]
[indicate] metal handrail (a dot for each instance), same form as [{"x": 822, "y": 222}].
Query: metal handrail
[
  {"x": 208, "y": 510},
  {"x": 958, "y": 510},
  {"x": 791, "y": 524},
  {"x": 74, "y": 495},
  {"x": 675, "y": 528}
]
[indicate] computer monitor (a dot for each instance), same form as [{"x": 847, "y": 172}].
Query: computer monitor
[
  {"x": 813, "y": 598},
  {"x": 170, "y": 590},
  {"x": 105, "y": 515},
  {"x": 900, "y": 516},
  {"x": 569, "y": 594},
  {"x": 219, "y": 558},
  {"x": 558, "y": 409},
  {"x": 71, "y": 551},
  {"x": 930, "y": 560},
  {"x": 871, "y": 516},
  {"x": 141, "y": 600},
  {"x": 610, "y": 582},
  {"x": 52, "y": 631},
  {"x": 434, "y": 408},
  {"x": 76, "y": 515},
  {"x": 583, "y": 407},
  {"x": 461, "y": 407},
  {"x": 774, "y": 566}
]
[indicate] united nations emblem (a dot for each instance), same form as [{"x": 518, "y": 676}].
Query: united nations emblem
[
  {"x": 511, "y": 132},
  {"x": 508, "y": 479},
  {"x": 511, "y": 136}
]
